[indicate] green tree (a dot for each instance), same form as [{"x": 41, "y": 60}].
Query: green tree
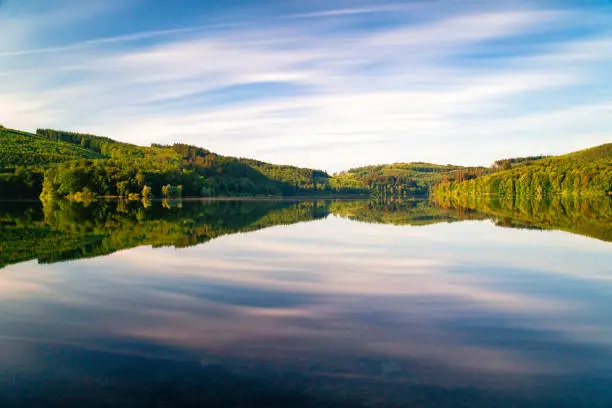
[
  {"x": 122, "y": 188},
  {"x": 167, "y": 191},
  {"x": 147, "y": 192}
]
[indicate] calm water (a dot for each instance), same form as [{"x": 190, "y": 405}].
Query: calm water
[{"x": 306, "y": 304}]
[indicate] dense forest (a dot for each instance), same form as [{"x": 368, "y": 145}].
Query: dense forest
[
  {"x": 53, "y": 163},
  {"x": 61, "y": 230},
  {"x": 81, "y": 166},
  {"x": 583, "y": 173},
  {"x": 24, "y": 158},
  {"x": 403, "y": 180}
]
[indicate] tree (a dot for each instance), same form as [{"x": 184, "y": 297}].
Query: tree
[
  {"x": 140, "y": 178},
  {"x": 122, "y": 188},
  {"x": 167, "y": 190},
  {"x": 147, "y": 192}
]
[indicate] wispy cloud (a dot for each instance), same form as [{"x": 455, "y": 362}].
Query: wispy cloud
[
  {"x": 331, "y": 92},
  {"x": 352, "y": 11},
  {"x": 99, "y": 41}
]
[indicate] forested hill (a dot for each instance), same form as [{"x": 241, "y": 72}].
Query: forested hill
[
  {"x": 25, "y": 156},
  {"x": 67, "y": 164},
  {"x": 404, "y": 179},
  {"x": 19, "y": 149},
  {"x": 585, "y": 173},
  {"x": 55, "y": 163},
  {"x": 95, "y": 166}
]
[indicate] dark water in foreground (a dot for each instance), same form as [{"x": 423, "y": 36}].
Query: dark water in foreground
[{"x": 306, "y": 304}]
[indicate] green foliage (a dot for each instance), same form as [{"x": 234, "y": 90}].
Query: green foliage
[
  {"x": 63, "y": 230},
  {"x": 23, "y": 158},
  {"x": 22, "y": 182},
  {"x": 402, "y": 212},
  {"x": 57, "y": 163},
  {"x": 59, "y": 230},
  {"x": 590, "y": 217},
  {"x": 401, "y": 180},
  {"x": 127, "y": 168},
  {"x": 169, "y": 191},
  {"x": 584, "y": 173},
  {"x": 20, "y": 149},
  {"x": 507, "y": 164},
  {"x": 146, "y": 192},
  {"x": 99, "y": 144}
]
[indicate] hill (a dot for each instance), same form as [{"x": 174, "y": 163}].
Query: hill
[
  {"x": 584, "y": 173},
  {"x": 402, "y": 180},
  {"x": 179, "y": 169},
  {"x": 18, "y": 149},
  {"x": 24, "y": 157},
  {"x": 507, "y": 164},
  {"x": 56, "y": 163}
]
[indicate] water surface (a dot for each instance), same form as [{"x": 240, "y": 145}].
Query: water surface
[{"x": 306, "y": 304}]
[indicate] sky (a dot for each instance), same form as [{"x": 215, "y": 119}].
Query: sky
[{"x": 328, "y": 84}]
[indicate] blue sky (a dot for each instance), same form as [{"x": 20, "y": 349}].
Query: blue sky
[{"x": 324, "y": 84}]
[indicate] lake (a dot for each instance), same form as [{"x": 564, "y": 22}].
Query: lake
[{"x": 311, "y": 303}]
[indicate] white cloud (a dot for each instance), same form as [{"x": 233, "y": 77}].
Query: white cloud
[{"x": 352, "y": 97}]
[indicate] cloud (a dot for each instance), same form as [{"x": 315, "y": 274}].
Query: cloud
[
  {"x": 352, "y": 11},
  {"x": 99, "y": 41},
  {"x": 329, "y": 93}
]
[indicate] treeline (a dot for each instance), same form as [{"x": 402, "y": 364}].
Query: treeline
[
  {"x": 507, "y": 164},
  {"x": 584, "y": 173},
  {"x": 21, "y": 149},
  {"x": 56, "y": 163},
  {"x": 402, "y": 180},
  {"x": 100, "y": 166},
  {"x": 99, "y": 144}
]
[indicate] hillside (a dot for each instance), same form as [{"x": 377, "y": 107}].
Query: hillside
[
  {"x": 507, "y": 164},
  {"x": 403, "y": 179},
  {"x": 18, "y": 149},
  {"x": 24, "y": 157},
  {"x": 183, "y": 169},
  {"x": 584, "y": 173},
  {"x": 56, "y": 163}
]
